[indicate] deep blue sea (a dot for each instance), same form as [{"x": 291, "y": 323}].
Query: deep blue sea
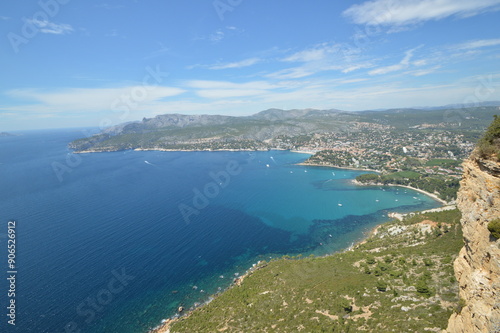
[{"x": 116, "y": 242}]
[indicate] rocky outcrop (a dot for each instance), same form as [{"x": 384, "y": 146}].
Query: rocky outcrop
[{"x": 477, "y": 267}]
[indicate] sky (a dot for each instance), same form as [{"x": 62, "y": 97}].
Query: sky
[{"x": 69, "y": 63}]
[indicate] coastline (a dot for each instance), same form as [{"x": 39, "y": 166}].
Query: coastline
[
  {"x": 335, "y": 167},
  {"x": 177, "y": 150},
  {"x": 166, "y": 324},
  {"x": 308, "y": 152},
  {"x": 432, "y": 195}
]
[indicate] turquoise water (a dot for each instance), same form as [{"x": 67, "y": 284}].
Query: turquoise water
[{"x": 115, "y": 242}]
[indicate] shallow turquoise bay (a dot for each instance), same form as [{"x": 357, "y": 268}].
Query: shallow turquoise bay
[{"x": 123, "y": 211}]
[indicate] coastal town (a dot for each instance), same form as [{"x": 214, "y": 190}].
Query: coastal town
[{"x": 425, "y": 160}]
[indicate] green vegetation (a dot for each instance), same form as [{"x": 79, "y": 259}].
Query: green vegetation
[
  {"x": 444, "y": 163},
  {"x": 414, "y": 287},
  {"x": 489, "y": 144},
  {"x": 494, "y": 228},
  {"x": 380, "y": 132},
  {"x": 446, "y": 188},
  {"x": 461, "y": 304}
]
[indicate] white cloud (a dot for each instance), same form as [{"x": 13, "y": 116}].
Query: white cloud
[
  {"x": 404, "y": 63},
  {"x": 320, "y": 58},
  {"x": 216, "y": 36},
  {"x": 291, "y": 73},
  {"x": 48, "y": 27},
  {"x": 403, "y": 12},
  {"x": 226, "y": 89},
  {"x": 316, "y": 53},
  {"x": 422, "y": 72},
  {"x": 90, "y": 100},
  {"x": 476, "y": 44},
  {"x": 161, "y": 51},
  {"x": 207, "y": 84},
  {"x": 353, "y": 81},
  {"x": 229, "y": 93},
  {"x": 238, "y": 64},
  {"x": 356, "y": 67},
  {"x": 307, "y": 55}
]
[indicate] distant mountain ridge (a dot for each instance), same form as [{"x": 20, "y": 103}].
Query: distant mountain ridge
[{"x": 261, "y": 130}]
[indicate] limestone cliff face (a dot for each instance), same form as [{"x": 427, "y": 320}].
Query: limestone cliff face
[{"x": 477, "y": 267}]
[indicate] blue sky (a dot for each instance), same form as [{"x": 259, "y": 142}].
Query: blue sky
[{"x": 69, "y": 63}]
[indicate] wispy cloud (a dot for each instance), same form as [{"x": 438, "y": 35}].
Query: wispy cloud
[
  {"x": 319, "y": 58},
  {"x": 313, "y": 54},
  {"x": 86, "y": 99},
  {"x": 291, "y": 73},
  {"x": 403, "y": 64},
  {"x": 353, "y": 80},
  {"x": 220, "y": 34},
  {"x": 48, "y": 27},
  {"x": 217, "y": 36},
  {"x": 226, "y": 89},
  {"x": 237, "y": 64},
  {"x": 161, "y": 51},
  {"x": 211, "y": 84},
  {"x": 404, "y": 12},
  {"x": 114, "y": 33},
  {"x": 476, "y": 44},
  {"x": 422, "y": 72},
  {"x": 4, "y": 18}
]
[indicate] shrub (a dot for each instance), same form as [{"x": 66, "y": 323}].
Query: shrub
[
  {"x": 396, "y": 274},
  {"x": 381, "y": 285},
  {"x": 489, "y": 144},
  {"x": 346, "y": 305},
  {"x": 461, "y": 304},
  {"x": 370, "y": 260},
  {"x": 423, "y": 288},
  {"x": 494, "y": 228}
]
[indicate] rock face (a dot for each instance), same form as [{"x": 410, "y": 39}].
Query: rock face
[{"x": 477, "y": 267}]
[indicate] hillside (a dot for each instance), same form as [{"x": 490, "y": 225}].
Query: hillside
[
  {"x": 399, "y": 279},
  {"x": 276, "y": 129}
]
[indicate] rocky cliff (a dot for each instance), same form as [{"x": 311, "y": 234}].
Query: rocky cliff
[{"x": 477, "y": 267}]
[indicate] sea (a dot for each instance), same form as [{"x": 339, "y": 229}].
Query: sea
[{"x": 118, "y": 241}]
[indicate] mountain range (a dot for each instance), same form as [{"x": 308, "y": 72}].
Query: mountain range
[{"x": 259, "y": 131}]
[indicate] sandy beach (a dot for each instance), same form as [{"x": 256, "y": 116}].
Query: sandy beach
[
  {"x": 432, "y": 195},
  {"x": 335, "y": 167}
]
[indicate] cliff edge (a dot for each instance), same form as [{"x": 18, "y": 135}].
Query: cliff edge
[{"x": 477, "y": 267}]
